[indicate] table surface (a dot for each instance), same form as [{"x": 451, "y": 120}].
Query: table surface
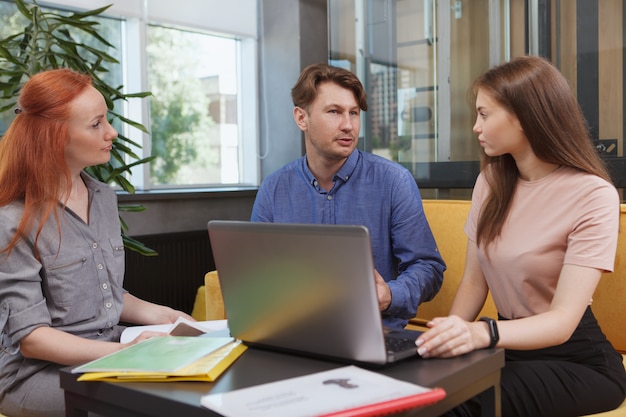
[{"x": 462, "y": 378}]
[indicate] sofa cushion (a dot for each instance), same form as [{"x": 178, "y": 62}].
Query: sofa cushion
[
  {"x": 609, "y": 300},
  {"x": 447, "y": 221}
]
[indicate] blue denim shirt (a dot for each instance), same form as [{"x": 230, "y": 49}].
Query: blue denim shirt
[{"x": 374, "y": 192}]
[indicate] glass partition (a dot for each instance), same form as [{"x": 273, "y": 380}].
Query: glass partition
[{"x": 417, "y": 59}]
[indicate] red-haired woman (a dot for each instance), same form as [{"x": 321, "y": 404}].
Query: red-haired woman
[{"x": 62, "y": 256}]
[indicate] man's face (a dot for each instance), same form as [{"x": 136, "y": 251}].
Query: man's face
[{"x": 331, "y": 124}]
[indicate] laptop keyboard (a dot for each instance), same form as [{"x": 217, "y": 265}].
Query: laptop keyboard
[{"x": 396, "y": 344}]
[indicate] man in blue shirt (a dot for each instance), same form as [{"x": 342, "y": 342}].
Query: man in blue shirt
[{"x": 335, "y": 183}]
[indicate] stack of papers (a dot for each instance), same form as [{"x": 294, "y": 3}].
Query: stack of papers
[
  {"x": 341, "y": 392},
  {"x": 186, "y": 354},
  {"x": 182, "y": 327}
]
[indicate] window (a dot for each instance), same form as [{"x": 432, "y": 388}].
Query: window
[
  {"x": 197, "y": 132},
  {"x": 193, "y": 111}
]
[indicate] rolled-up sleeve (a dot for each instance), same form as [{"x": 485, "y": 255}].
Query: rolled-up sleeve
[{"x": 22, "y": 301}]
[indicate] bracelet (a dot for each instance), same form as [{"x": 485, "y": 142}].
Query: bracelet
[{"x": 493, "y": 331}]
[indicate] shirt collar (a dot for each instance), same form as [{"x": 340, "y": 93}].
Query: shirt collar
[
  {"x": 90, "y": 182},
  {"x": 344, "y": 173},
  {"x": 346, "y": 170}
]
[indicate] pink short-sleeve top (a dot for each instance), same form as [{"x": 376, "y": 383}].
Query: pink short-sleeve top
[{"x": 566, "y": 217}]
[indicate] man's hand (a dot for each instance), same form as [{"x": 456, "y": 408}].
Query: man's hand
[{"x": 383, "y": 292}]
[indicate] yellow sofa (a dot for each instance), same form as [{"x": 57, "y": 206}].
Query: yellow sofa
[
  {"x": 446, "y": 219},
  {"x": 209, "y": 304}
]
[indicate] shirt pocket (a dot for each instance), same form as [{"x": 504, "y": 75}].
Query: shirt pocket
[
  {"x": 5, "y": 340},
  {"x": 67, "y": 277},
  {"x": 114, "y": 257}
]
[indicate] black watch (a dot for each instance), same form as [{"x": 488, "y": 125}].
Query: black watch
[{"x": 493, "y": 330}]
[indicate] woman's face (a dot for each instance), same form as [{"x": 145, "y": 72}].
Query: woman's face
[
  {"x": 499, "y": 131},
  {"x": 90, "y": 134}
]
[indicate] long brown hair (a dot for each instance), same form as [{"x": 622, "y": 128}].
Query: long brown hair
[
  {"x": 534, "y": 91},
  {"x": 32, "y": 152}
]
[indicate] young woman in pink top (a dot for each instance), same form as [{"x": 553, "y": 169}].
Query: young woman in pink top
[{"x": 542, "y": 229}]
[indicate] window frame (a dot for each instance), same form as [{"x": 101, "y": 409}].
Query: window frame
[{"x": 194, "y": 16}]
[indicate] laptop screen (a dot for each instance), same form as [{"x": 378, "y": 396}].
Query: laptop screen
[{"x": 305, "y": 288}]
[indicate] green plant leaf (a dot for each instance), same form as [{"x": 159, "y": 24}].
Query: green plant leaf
[
  {"x": 125, "y": 184},
  {"x": 121, "y": 148},
  {"x": 9, "y": 106},
  {"x": 133, "y": 209},
  {"x": 138, "y": 247},
  {"x": 121, "y": 139},
  {"x": 127, "y": 168},
  {"x": 72, "y": 51},
  {"x": 4, "y": 53},
  {"x": 131, "y": 123},
  {"x": 21, "y": 6},
  {"x": 143, "y": 94},
  {"x": 88, "y": 13}
]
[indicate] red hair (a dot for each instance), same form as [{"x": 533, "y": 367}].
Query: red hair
[{"x": 32, "y": 152}]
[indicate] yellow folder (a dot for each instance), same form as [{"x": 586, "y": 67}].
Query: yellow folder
[{"x": 207, "y": 368}]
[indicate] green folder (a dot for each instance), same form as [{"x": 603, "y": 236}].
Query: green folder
[{"x": 158, "y": 354}]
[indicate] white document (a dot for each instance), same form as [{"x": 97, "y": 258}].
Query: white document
[
  {"x": 312, "y": 395},
  {"x": 217, "y": 328}
]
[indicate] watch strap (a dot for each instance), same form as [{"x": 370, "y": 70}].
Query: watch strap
[{"x": 493, "y": 331}]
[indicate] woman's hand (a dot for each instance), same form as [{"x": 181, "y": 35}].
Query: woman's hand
[
  {"x": 452, "y": 336},
  {"x": 148, "y": 334}
]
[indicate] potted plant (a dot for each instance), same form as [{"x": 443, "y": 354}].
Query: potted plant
[{"x": 54, "y": 39}]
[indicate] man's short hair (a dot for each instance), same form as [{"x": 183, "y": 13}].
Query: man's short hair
[{"x": 305, "y": 90}]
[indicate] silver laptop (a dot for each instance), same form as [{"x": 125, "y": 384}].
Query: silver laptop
[{"x": 304, "y": 288}]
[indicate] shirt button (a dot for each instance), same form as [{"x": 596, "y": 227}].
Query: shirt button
[
  {"x": 329, "y": 197},
  {"x": 94, "y": 245},
  {"x": 108, "y": 305},
  {"x": 100, "y": 266},
  {"x": 105, "y": 286}
]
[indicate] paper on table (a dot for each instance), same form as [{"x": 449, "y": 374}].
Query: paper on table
[
  {"x": 211, "y": 327},
  {"x": 361, "y": 392}
]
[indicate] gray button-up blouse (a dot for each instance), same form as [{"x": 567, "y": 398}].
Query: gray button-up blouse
[{"x": 75, "y": 286}]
